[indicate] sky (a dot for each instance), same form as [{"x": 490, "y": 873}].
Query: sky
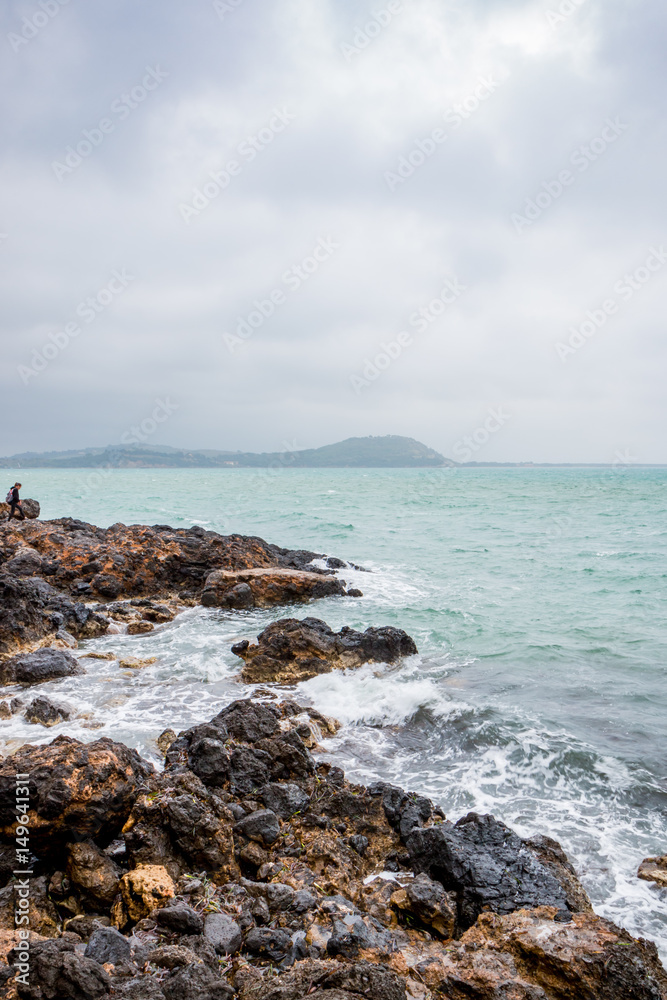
[{"x": 275, "y": 224}]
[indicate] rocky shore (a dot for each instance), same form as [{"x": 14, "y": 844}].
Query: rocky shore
[{"x": 249, "y": 866}]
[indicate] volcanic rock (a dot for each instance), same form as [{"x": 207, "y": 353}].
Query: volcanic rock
[
  {"x": 142, "y": 890},
  {"x": 91, "y": 871},
  {"x": 108, "y": 945},
  {"x": 181, "y": 918},
  {"x": 31, "y": 509},
  {"x": 223, "y": 933},
  {"x": 76, "y": 790},
  {"x": 265, "y": 587},
  {"x": 57, "y": 972},
  {"x": 42, "y": 665},
  {"x": 46, "y": 713},
  {"x": 289, "y": 650}
]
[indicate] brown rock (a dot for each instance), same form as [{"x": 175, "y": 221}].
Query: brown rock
[
  {"x": 92, "y": 872},
  {"x": 139, "y": 628},
  {"x": 31, "y": 508},
  {"x": 654, "y": 870},
  {"x": 289, "y": 650},
  {"x": 75, "y": 789},
  {"x": 145, "y": 889},
  {"x": 263, "y": 588}
]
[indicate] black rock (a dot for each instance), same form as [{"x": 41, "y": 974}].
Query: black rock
[
  {"x": 285, "y": 799},
  {"x": 368, "y": 980},
  {"x": 42, "y": 665},
  {"x": 279, "y": 896},
  {"x": 57, "y": 972},
  {"x": 108, "y": 945},
  {"x": 358, "y": 843},
  {"x": 262, "y": 826},
  {"x": 45, "y": 712},
  {"x": 181, "y": 918},
  {"x": 486, "y": 864},
  {"x": 303, "y": 901},
  {"x": 196, "y": 982},
  {"x": 222, "y": 933},
  {"x": 248, "y": 720},
  {"x": 268, "y": 942}
]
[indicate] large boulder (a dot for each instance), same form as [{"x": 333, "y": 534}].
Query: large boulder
[
  {"x": 262, "y": 588},
  {"x": 289, "y": 650},
  {"x": 531, "y": 956},
  {"x": 654, "y": 870},
  {"x": 76, "y": 790},
  {"x": 55, "y": 971},
  {"x": 30, "y": 508},
  {"x": 41, "y": 665},
  {"x": 488, "y": 867}
]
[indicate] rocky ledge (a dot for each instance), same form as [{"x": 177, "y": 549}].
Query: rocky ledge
[
  {"x": 69, "y": 577},
  {"x": 250, "y": 867},
  {"x": 289, "y": 650}
]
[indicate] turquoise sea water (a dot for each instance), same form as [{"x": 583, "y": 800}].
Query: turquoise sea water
[{"x": 537, "y": 598}]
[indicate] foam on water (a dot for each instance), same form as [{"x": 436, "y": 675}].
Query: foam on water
[{"x": 537, "y": 600}]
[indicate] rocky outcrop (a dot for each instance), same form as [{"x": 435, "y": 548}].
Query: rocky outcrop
[
  {"x": 289, "y": 650},
  {"x": 30, "y": 508},
  {"x": 249, "y": 869},
  {"x": 41, "y": 665},
  {"x": 263, "y": 588},
  {"x": 654, "y": 870},
  {"x": 136, "y": 560}
]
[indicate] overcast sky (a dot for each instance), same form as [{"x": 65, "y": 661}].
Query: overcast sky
[{"x": 498, "y": 164}]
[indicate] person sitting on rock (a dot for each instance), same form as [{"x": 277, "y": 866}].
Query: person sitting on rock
[{"x": 15, "y": 502}]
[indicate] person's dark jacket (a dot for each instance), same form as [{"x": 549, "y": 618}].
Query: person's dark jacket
[{"x": 15, "y": 495}]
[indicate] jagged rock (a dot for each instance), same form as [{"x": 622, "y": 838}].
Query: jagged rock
[
  {"x": 172, "y": 956},
  {"x": 137, "y": 560},
  {"x": 223, "y": 933},
  {"x": 487, "y": 865},
  {"x": 26, "y": 561},
  {"x": 42, "y": 665},
  {"x": 75, "y": 789},
  {"x": 56, "y": 972},
  {"x": 32, "y": 611},
  {"x": 367, "y": 980},
  {"x": 269, "y": 942},
  {"x": 142, "y": 890},
  {"x": 196, "y": 982},
  {"x": 531, "y": 956},
  {"x": 265, "y": 587},
  {"x": 428, "y": 902},
  {"x": 284, "y": 799},
  {"x": 654, "y": 870},
  {"x": 108, "y": 945},
  {"x": 181, "y": 918},
  {"x": 248, "y": 720},
  {"x": 261, "y": 826},
  {"x": 31, "y": 508},
  {"x": 165, "y": 740},
  {"x": 290, "y": 651},
  {"x": 46, "y": 713},
  {"x": 91, "y": 871}
]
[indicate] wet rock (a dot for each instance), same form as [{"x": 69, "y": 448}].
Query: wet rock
[
  {"x": 196, "y": 982},
  {"x": 429, "y": 903},
  {"x": 654, "y": 870},
  {"x": 222, "y": 933},
  {"x": 45, "y": 712},
  {"x": 134, "y": 663},
  {"x": 57, "y": 972},
  {"x": 93, "y": 873},
  {"x": 267, "y": 942},
  {"x": 181, "y": 918},
  {"x": 33, "y": 611},
  {"x": 553, "y": 857},
  {"x": 108, "y": 945},
  {"x": 139, "y": 628},
  {"x": 284, "y": 799},
  {"x": 261, "y": 826},
  {"x": 5, "y": 710},
  {"x": 75, "y": 789},
  {"x": 248, "y": 720},
  {"x": 42, "y": 665},
  {"x": 266, "y": 587},
  {"x": 165, "y": 740},
  {"x": 487, "y": 865},
  {"x": 290, "y": 651},
  {"x": 142, "y": 890}
]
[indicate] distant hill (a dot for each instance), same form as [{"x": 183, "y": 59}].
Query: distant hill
[{"x": 389, "y": 452}]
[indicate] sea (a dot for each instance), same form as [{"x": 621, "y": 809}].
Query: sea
[{"x": 537, "y": 598}]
